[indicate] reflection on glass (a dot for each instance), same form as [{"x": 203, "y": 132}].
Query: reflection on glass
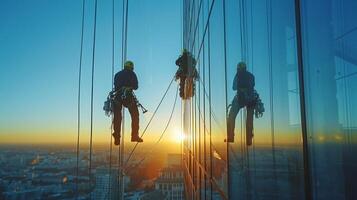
[
  {"x": 330, "y": 69},
  {"x": 262, "y": 34},
  {"x": 246, "y": 97}
]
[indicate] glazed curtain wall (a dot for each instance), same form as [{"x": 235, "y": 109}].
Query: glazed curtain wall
[
  {"x": 264, "y": 37},
  {"x": 205, "y": 153},
  {"x": 220, "y": 34},
  {"x": 330, "y": 69}
]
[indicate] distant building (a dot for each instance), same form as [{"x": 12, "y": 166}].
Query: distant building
[
  {"x": 173, "y": 160},
  {"x": 103, "y": 184},
  {"x": 152, "y": 195},
  {"x": 170, "y": 183}
]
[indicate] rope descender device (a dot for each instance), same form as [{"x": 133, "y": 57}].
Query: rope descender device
[{"x": 143, "y": 109}]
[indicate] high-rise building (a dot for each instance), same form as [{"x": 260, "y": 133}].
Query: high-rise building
[
  {"x": 303, "y": 55},
  {"x": 170, "y": 183},
  {"x": 106, "y": 184}
]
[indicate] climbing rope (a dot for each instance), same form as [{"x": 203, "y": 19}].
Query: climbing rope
[
  {"x": 126, "y": 30},
  {"x": 111, "y": 127},
  {"x": 205, "y": 29},
  {"x": 271, "y": 90},
  {"x": 92, "y": 93},
  {"x": 150, "y": 120},
  {"x": 242, "y": 35},
  {"x": 244, "y": 116},
  {"x": 270, "y": 57},
  {"x": 161, "y": 135},
  {"x": 225, "y": 81},
  {"x": 125, "y": 10},
  {"x": 196, "y": 26},
  {"x": 79, "y": 96},
  {"x": 205, "y": 127},
  {"x": 252, "y": 67},
  {"x": 198, "y": 99},
  {"x": 210, "y": 107},
  {"x": 190, "y": 17},
  {"x": 204, "y": 117}
]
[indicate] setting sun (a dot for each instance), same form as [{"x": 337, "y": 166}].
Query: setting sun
[{"x": 178, "y": 136}]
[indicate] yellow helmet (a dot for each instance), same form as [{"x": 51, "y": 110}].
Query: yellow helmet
[
  {"x": 129, "y": 65},
  {"x": 242, "y": 66}
]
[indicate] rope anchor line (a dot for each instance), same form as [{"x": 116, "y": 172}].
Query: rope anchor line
[{"x": 121, "y": 164}]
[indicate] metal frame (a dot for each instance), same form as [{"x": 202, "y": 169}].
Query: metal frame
[{"x": 307, "y": 173}]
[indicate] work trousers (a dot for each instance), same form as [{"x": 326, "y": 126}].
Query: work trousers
[
  {"x": 239, "y": 102},
  {"x": 134, "y": 113}
]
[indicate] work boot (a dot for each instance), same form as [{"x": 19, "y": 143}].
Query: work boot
[
  {"x": 116, "y": 138},
  {"x": 136, "y": 139},
  {"x": 230, "y": 140}
]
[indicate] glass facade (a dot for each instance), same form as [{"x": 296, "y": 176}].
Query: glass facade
[
  {"x": 264, "y": 35},
  {"x": 330, "y": 68}
]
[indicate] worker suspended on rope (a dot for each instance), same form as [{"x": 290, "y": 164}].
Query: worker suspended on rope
[
  {"x": 125, "y": 82},
  {"x": 187, "y": 74},
  {"x": 246, "y": 96}
]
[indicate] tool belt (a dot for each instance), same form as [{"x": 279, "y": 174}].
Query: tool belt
[
  {"x": 125, "y": 96},
  {"x": 258, "y": 105},
  {"x": 246, "y": 98},
  {"x": 187, "y": 72}
]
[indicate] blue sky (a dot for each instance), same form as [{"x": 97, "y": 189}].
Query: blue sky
[{"x": 39, "y": 58}]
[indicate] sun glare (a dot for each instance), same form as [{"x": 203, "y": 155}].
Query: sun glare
[{"x": 178, "y": 136}]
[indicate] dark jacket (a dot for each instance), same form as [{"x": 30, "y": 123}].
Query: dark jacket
[
  {"x": 125, "y": 78},
  {"x": 185, "y": 61},
  {"x": 244, "y": 81}
]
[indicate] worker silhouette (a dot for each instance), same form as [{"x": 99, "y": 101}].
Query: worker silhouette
[
  {"x": 125, "y": 82},
  {"x": 246, "y": 97},
  {"x": 186, "y": 73}
]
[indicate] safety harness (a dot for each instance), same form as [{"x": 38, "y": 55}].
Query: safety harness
[
  {"x": 250, "y": 97},
  {"x": 125, "y": 95},
  {"x": 258, "y": 106}
]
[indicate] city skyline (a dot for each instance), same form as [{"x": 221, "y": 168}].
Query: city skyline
[{"x": 241, "y": 99}]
